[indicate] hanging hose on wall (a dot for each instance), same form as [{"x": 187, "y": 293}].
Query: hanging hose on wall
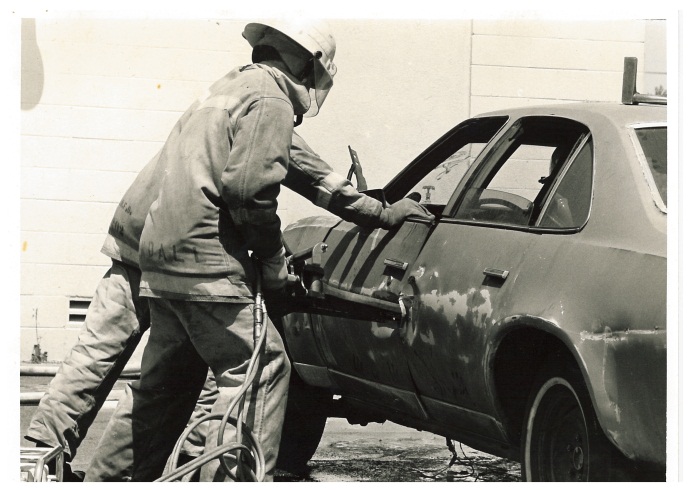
[{"x": 246, "y": 450}]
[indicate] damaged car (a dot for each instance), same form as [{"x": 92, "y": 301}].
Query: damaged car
[{"x": 526, "y": 320}]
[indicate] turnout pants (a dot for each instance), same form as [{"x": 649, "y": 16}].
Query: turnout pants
[
  {"x": 115, "y": 322},
  {"x": 186, "y": 337}
]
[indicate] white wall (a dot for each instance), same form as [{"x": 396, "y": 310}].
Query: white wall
[
  {"x": 100, "y": 96},
  {"x": 524, "y": 62}
]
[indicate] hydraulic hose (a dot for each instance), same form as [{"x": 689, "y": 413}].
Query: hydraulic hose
[{"x": 243, "y": 453}]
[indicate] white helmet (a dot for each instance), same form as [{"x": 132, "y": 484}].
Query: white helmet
[{"x": 314, "y": 37}]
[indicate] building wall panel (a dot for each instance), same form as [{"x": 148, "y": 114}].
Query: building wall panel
[
  {"x": 596, "y": 30},
  {"x": 66, "y": 216},
  {"x": 73, "y": 185},
  {"x": 558, "y": 54},
  {"x": 86, "y": 154},
  {"x": 119, "y": 92},
  {"x": 98, "y": 123},
  {"x": 531, "y": 83},
  {"x": 67, "y": 280},
  {"x": 55, "y": 248}
]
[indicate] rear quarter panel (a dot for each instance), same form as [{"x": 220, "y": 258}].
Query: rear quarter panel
[
  {"x": 610, "y": 306},
  {"x": 605, "y": 289}
]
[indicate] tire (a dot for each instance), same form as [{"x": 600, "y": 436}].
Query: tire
[
  {"x": 561, "y": 437},
  {"x": 307, "y": 409}
]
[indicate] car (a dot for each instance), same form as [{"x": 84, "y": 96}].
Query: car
[{"x": 526, "y": 320}]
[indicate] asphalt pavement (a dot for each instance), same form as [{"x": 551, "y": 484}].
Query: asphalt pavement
[{"x": 347, "y": 453}]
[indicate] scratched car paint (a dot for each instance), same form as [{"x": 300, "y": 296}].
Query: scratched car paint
[{"x": 528, "y": 319}]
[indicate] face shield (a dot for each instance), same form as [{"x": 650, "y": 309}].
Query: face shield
[{"x": 323, "y": 78}]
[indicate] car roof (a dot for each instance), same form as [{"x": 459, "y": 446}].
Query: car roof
[{"x": 617, "y": 113}]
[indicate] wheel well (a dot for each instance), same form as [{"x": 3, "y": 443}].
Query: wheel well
[{"x": 518, "y": 359}]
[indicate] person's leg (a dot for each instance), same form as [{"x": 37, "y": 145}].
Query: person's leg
[
  {"x": 223, "y": 335},
  {"x": 115, "y": 322},
  {"x": 194, "y": 444},
  {"x": 145, "y": 426}
]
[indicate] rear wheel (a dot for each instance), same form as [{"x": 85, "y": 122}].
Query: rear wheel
[{"x": 561, "y": 438}]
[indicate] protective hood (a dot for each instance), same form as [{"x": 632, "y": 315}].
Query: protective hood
[{"x": 313, "y": 38}]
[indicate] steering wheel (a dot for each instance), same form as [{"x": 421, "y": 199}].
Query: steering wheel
[{"x": 505, "y": 203}]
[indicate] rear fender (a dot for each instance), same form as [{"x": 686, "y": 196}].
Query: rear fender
[{"x": 628, "y": 416}]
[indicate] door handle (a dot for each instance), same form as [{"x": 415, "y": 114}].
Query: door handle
[
  {"x": 496, "y": 273},
  {"x": 396, "y": 263}
]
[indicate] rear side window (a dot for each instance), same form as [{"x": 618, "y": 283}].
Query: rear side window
[
  {"x": 538, "y": 174},
  {"x": 653, "y": 143},
  {"x": 569, "y": 205}
]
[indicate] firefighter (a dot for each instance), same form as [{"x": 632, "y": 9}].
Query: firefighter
[
  {"x": 117, "y": 317},
  {"x": 224, "y": 162}
]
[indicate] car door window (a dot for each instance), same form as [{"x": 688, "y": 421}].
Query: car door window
[
  {"x": 434, "y": 175},
  {"x": 513, "y": 183},
  {"x": 437, "y": 187}
]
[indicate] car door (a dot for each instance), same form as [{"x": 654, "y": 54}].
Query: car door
[
  {"x": 365, "y": 270},
  {"x": 464, "y": 280}
]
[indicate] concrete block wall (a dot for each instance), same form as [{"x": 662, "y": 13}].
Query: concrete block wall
[
  {"x": 525, "y": 62},
  {"x": 99, "y": 97}
]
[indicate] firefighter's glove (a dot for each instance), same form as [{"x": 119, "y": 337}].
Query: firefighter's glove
[
  {"x": 274, "y": 271},
  {"x": 395, "y": 214}
]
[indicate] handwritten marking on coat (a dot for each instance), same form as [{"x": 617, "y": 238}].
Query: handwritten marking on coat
[
  {"x": 162, "y": 253},
  {"x": 126, "y": 207}
]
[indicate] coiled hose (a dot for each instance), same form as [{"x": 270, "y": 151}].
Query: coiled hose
[{"x": 244, "y": 455}]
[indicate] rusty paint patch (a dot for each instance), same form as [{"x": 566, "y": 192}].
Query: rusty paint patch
[
  {"x": 381, "y": 332},
  {"x": 620, "y": 336},
  {"x": 475, "y": 305},
  {"x": 606, "y": 336}
]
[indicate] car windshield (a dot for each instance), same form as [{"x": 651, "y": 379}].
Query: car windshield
[{"x": 653, "y": 142}]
